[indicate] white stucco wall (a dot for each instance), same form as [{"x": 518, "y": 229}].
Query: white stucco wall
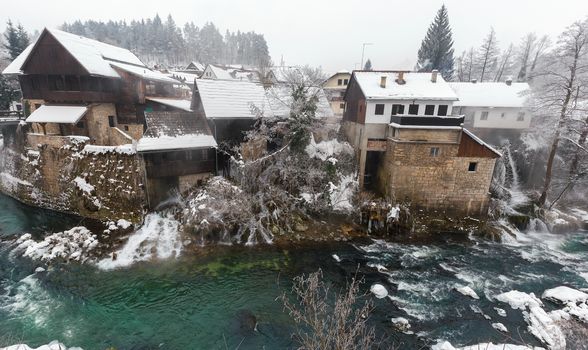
[{"x": 498, "y": 117}]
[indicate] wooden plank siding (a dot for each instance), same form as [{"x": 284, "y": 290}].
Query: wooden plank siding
[
  {"x": 468, "y": 147},
  {"x": 355, "y": 103}
]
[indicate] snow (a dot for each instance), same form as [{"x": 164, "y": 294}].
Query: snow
[
  {"x": 519, "y": 300},
  {"x": 417, "y": 86},
  {"x": 445, "y": 345},
  {"x": 39, "y": 270},
  {"x": 327, "y": 149},
  {"x": 128, "y": 149},
  {"x": 144, "y": 72},
  {"x": 467, "y": 291},
  {"x": 74, "y": 244},
  {"x": 187, "y": 78},
  {"x": 500, "y": 312},
  {"x": 187, "y": 141},
  {"x": 232, "y": 99},
  {"x": 124, "y": 224},
  {"x": 57, "y": 114},
  {"x": 9, "y": 181},
  {"x": 83, "y": 185},
  {"x": 490, "y": 94},
  {"x": 565, "y": 295},
  {"x": 15, "y": 66},
  {"x": 379, "y": 291},
  {"x": 499, "y": 327},
  {"x": 54, "y": 345},
  {"x": 341, "y": 195},
  {"x": 173, "y": 102},
  {"x": 336, "y": 257},
  {"x": 220, "y": 72},
  {"x": 280, "y": 100}
]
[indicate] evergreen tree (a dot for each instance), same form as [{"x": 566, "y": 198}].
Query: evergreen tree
[
  {"x": 368, "y": 65},
  {"x": 436, "y": 50},
  {"x": 16, "y": 39},
  {"x": 7, "y": 93}
]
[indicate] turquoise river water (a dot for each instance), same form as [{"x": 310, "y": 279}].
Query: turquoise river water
[{"x": 207, "y": 301}]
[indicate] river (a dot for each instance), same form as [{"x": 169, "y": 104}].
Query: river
[{"x": 204, "y": 301}]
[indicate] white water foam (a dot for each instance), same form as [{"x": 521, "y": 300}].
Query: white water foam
[{"x": 158, "y": 238}]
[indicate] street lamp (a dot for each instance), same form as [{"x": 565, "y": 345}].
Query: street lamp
[{"x": 362, "y": 52}]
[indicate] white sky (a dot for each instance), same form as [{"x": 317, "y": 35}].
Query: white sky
[{"x": 325, "y": 33}]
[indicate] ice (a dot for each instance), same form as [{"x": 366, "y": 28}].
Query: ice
[
  {"x": 467, "y": 291},
  {"x": 565, "y": 295},
  {"x": 379, "y": 291}
]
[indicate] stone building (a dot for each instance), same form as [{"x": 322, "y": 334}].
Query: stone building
[{"x": 409, "y": 145}]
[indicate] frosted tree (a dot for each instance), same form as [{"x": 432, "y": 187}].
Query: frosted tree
[
  {"x": 487, "y": 55},
  {"x": 524, "y": 56},
  {"x": 505, "y": 64},
  {"x": 559, "y": 81},
  {"x": 368, "y": 65},
  {"x": 436, "y": 51},
  {"x": 465, "y": 65},
  {"x": 540, "y": 50}
]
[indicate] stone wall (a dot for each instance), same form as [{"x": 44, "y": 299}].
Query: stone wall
[
  {"x": 409, "y": 173},
  {"x": 54, "y": 172}
]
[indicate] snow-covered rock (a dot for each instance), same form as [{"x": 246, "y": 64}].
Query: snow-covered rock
[
  {"x": 401, "y": 323},
  {"x": 519, "y": 300},
  {"x": 379, "y": 291},
  {"x": 54, "y": 345},
  {"x": 500, "y": 327},
  {"x": 39, "y": 269},
  {"x": 75, "y": 244},
  {"x": 124, "y": 224},
  {"x": 500, "y": 312},
  {"x": 565, "y": 295},
  {"x": 467, "y": 291},
  {"x": 336, "y": 257},
  {"x": 445, "y": 345}
]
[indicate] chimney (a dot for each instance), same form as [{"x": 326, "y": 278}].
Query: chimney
[
  {"x": 508, "y": 81},
  {"x": 400, "y": 78},
  {"x": 383, "y": 81},
  {"x": 434, "y": 75},
  {"x": 474, "y": 81}
]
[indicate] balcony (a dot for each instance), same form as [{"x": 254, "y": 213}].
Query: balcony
[{"x": 426, "y": 120}]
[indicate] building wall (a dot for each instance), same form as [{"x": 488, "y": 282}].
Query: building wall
[
  {"x": 410, "y": 173},
  {"x": 498, "y": 117},
  {"x": 97, "y": 122},
  {"x": 371, "y": 116},
  {"x": 332, "y": 82}
]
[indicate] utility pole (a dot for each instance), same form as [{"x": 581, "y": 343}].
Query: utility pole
[{"x": 362, "y": 52}]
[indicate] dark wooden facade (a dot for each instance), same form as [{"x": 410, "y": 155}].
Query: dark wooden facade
[
  {"x": 179, "y": 163},
  {"x": 355, "y": 103},
  {"x": 468, "y": 147}
]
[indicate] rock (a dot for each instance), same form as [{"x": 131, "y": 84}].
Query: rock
[
  {"x": 499, "y": 327},
  {"x": 401, "y": 324},
  {"x": 300, "y": 227},
  {"x": 379, "y": 291},
  {"x": 39, "y": 269}
]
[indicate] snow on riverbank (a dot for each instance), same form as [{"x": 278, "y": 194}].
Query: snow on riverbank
[
  {"x": 445, "y": 345},
  {"x": 158, "y": 238},
  {"x": 75, "y": 244},
  {"x": 54, "y": 345}
]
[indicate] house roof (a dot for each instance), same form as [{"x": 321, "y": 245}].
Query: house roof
[
  {"x": 490, "y": 151},
  {"x": 173, "y": 102},
  {"x": 280, "y": 100},
  {"x": 96, "y": 57},
  {"x": 417, "y": 86},
  {"x": 221, "y": 72},
  {"x": 490, "y": 94},
  {"x": 168, "y": 131},
  {"x": 196, "y": 65},
  {"x": 186, "y": 77},
  {"x": 57, "y": 114},
  {"x": 231, "y": 99}
]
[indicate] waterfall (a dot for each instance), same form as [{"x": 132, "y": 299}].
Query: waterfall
[
  {"x": 507, "y": 179},
  {"x": 158, "y": 238}
]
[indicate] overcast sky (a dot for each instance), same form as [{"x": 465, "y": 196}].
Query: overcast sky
[{"x": 325, "y": 33}]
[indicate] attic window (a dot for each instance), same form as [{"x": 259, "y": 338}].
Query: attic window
[
  {"x": 442, "y": 110},
  {"x": 379, "y": 109},
  {"x": 472, "y": 167},
  {"x": 340, "y": 82}
]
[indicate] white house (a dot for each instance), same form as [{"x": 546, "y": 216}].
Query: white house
[
  {"x": 335, "y": 87},
  {"x": 493, "y": 105}
]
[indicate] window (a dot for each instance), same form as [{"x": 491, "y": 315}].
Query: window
[
  {"x": 442, "y": 110},
  {"x": 379, "y": 109},
  {"x": 111, "y": 121},
  {"x": 435, "y": 151},
  {"x": 80, "y": 125},
  {"x": 126, "y": 128},
  {"x": 205, "y": 154},
  {"x": 521, "y": 117},
  {"x": 472, "y": 166},
  {"x": 345, "y": 82},
  {"x": 429, "y": 109},
  {"x": 340, "y": 82},
  {"x": 484, "y": 115},
  {"x": 342, "y": 106},
  {"x": 413, "y": 109},
  {"x": 397, "y": 109}
]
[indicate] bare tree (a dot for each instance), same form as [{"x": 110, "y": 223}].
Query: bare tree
[
  {"x": 526, "y": 47},
  {"x": 560, "y": 80},
  {"x": 505, "y": 63},
  {"x": 487, "y": 54},
  {"x": 341, "y": 325},
  {"x": 540, "y": 50},
  {"x": 465, "y": 64}
]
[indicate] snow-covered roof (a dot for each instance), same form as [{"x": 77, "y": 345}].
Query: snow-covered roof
[
  {"x": 490, "y": 94},
  {"x": 196, "y": 66},
  {"x": 173, "y": 102},
  {"x": 220, "y": 72},
  {"x": 417, "y": 86},
  {"x": 57, "y": 114},
  {"x": 168, "y": 131},
  {"x": 144, "y": 73},
  {"x": 232, "y": 99},
  {"x": 280, "y": 100},
  {"x": 96, "y": 57},
  {"x": 186, "y": 77}
]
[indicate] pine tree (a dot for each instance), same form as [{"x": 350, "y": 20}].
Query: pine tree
[
  {"x": 16, "y": 39},
  {"x": 368, "y": 65},
  {"x": 436, "y": 50},
  {"x": 7, "y": 93}
]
